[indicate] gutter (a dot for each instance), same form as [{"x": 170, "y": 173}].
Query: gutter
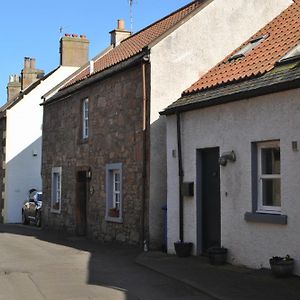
[{"x": 73, "y": 89}]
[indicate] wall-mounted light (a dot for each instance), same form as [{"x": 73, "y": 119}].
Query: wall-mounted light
[{"x": 227, "y": 156}]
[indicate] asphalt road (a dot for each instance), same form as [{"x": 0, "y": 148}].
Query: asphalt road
[{"x": 35, "y": 265}]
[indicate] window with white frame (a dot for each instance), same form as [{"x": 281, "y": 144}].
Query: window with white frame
[
  {"x": 114, "y": 192},
  {"x": 85, "y": 118},
  {"x": 269, "y": 178},
  {"x": 56, "y": 189}
]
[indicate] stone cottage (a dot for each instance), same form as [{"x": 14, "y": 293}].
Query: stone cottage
[
  {"x": 235, "y": 136},
  {"x": 21, "y": 124},
  {"x": 104, "y": 159}
]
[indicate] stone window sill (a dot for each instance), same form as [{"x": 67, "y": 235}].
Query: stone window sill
[
  {"x": 55, "y": 211},
  {"x": 84, "y": 141},
  {"x": 265, "y": 218},
  {"x": 114, "y": 220}
]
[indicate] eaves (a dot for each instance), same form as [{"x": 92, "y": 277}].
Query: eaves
[
  {"x": 266, "y": 84},
  {"x": 73, "y": 89}
]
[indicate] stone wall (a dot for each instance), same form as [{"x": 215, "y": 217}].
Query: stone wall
[{"x": 115, "y": 136}]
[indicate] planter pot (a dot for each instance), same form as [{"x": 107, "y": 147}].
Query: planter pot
[
  {"x": 113, "y": 213},
  {"x": 183, "y": 249},
  {"x": 282, "y": 267},
  {"x": 217, "y": 255}
]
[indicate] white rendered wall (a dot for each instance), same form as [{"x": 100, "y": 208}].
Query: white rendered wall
[
  {"x": 180, "y": 59},
  {"x": 234, "y": 126},
  {"x": 23, "y": 140}
]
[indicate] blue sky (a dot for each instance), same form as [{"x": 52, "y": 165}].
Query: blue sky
[{"x": 31, "y": 28}]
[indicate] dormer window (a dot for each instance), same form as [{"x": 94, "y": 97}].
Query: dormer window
[
  {"x": 292, "y": 54},
  {"x": 246, "y": 49}
]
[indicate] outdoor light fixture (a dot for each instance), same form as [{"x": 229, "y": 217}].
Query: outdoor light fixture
[{"x": 227, "y": 156}]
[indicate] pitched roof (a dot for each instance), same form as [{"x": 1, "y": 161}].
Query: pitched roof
[
  {"x": 282, "y": 34},
  {"x": 137, "y": 42},
  {"x": 279, "y": 79}
]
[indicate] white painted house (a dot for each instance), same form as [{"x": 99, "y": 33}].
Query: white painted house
[
  {"x": 236, "y": 135},
  {"x": 22, "y": 119},
  {"x": 183, "y": 54}
]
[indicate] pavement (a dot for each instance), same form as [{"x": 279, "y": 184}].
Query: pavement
[{"x": 224, "y": 282}]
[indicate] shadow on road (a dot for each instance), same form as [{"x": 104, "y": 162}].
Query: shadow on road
[{"x": 110, "y": 265}]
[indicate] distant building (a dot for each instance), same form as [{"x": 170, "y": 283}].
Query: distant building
[{"x": 21, "y": 125}]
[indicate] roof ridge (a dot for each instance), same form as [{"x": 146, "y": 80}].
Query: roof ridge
[
  {"x": 163, "y": 18},
  {"x": 137, "y": 42}
]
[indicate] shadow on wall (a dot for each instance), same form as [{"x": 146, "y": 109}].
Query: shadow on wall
[
  {"x": 22, "y": 173},
  {"x": 158, "y": 182}
]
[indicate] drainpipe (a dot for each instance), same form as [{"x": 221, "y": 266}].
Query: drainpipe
[
  {"x": 144, "y": 241},
  {"x": 180, "y": 177}
]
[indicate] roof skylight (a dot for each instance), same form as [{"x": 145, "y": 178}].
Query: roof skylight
[
  {"x": 246, "y": 49},
  {"x": 293, "y": 53}
]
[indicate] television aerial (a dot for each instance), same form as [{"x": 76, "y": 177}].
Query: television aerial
[{"x": 131, "y": 2}]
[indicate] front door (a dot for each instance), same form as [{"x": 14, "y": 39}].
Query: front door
[
  {"x": 209, "y": 215},
  {"x": 81, "y": 202}
]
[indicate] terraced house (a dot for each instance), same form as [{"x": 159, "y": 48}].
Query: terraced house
[
  {"x": 237, "y": 128},
  {"x": 21, "y": 121},
  {"x": 104, "y": 159}
]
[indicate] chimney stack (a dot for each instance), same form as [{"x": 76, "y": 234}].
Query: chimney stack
[
  {"x": 119, "y": 34},
  {"x": 30, "y": 74},
  {"x": 13, "y": 87},
  {"x": 74, "y": 50}
]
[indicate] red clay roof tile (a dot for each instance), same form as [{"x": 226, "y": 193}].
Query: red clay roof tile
[
  {"x": 137, "y": 42},
  {"x": 283, "y": 34}
]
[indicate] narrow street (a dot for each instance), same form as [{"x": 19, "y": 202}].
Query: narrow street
[{"x": 40, "y": 265}]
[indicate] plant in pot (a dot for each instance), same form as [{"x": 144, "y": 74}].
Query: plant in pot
[
  {"x": 183, "y": 249},
  {"x": 113, "y": 212},
  {"x": 282, "y": 266},
  {"x": 217, "y": 255}
]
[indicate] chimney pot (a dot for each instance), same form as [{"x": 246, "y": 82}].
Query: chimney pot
[
  {"x": 67, "y": 34},
  {"x": 75, "y": 35},
  {"x": 26, "y": 62},
  {"x": 83, "y": 36},
  {"x": 121, "y": 24},
  {"x": 32, "y": 63}
]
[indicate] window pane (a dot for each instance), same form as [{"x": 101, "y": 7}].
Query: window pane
[
  {"x": 117, "y": 186},
  {"x": 117, "y": 176},
  {"x": 271, "y": 192},
  {"x": 270, "y": 160}
]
